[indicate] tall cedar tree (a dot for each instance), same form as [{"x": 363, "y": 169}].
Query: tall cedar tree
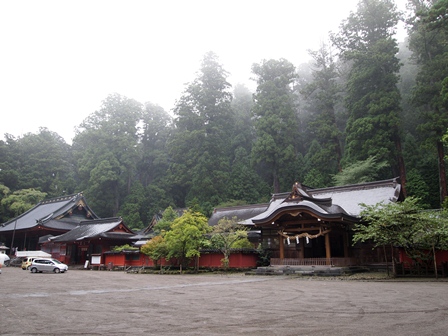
[
  {"x": 156, "y": 130},
  {"x": 201, "y": 146},
  {"x": 322, "y": 96},
  {"x": 41, "y": 161},
  {"x": 105, "y": 148},
  {"x": 428, "y": 30},
  {"x": 276, "y": 121},
  {"x": 366, "y": 40},
  {"x": 245, "y": 183}
]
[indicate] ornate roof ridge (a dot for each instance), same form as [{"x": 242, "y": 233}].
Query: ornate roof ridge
[
  {"x": 60, "y": 198},
  {"x": 247, "y": 206},
  {"x": 394, "y": 182},
  {"x": 101, "y": 221}
]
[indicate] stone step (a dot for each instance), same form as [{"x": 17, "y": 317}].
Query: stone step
[{"x": 307, "y": 270}]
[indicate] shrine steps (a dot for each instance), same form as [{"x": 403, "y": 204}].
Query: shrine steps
[{"x": 307, "y": 270}]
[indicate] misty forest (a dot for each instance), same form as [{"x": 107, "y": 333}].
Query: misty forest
[{"x": 364, "y": 108}]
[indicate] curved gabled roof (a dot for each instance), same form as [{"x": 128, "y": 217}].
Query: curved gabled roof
[
  {"x": 334, "y": 203},
  {"x": 242, "y": 212},
  {"x": 46, "y": 213},
  {"x": 350, "y": 197},
  {"x": 97, "y": 228},
  {"x": 332, "y": 212}
]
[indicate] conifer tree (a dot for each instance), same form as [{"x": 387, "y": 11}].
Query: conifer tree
[
  {"x": 276, "y": 121},
  {"x": 201, "y": 147},
  {"x": 366, "y": 40}
]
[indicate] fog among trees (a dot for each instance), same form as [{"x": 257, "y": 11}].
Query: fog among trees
[{"x": 364, "y": 108}]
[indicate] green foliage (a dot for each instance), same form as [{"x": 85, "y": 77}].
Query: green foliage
[
  {"x": 315, "y": 179},
  {"x": 244, "y": 183},
  {"x": 187, "y": 236},
  {"x": 39, "y": 161},
  {"x": 133, "y": 207},
  {"x": 322, "y": 96},
  {"x": 359, "y": 172},
  {"x": 432, "y": 231},
  {"x": 320, "y": 165},
  {"x": 105, "y": 148},
  {"x": 16, "y": 203},
  {"x": 366, "y": 40},
  {"x": 389, "y": 224},
  {"x": 242, "y": 244},
  {"x": 164, "y": 225},
  {"x": 155, "y": 248},
  {"x": 226, "y": 235},
  {"x": 417, "y": 187},
  {"x": 125, "y": 247},
  {"x": 264, "y": 255},
  {"x": 133, "y": 159},
  {"x": 405, "y": 225},
  {"x": 200, "y": 149},
  {"x": 276, "y": 121},
  {"x": 156, "y": 128},
  {"x": 4, "y": 191},
  {"x": 428, "y": 35}
]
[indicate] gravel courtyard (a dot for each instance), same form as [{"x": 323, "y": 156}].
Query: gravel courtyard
[{"x": 84, "y": 302}]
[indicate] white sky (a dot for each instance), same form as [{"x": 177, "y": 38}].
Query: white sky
[{"x": 60, "y": 59}]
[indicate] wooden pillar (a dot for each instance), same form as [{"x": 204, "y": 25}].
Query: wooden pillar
[
  {"x": 281, "y": 247},
  {"x": 327, "y": 248},
  {"x": 302, "y": 248}
]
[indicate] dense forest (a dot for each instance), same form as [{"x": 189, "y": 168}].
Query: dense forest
[{"x": 365, "y": 108}]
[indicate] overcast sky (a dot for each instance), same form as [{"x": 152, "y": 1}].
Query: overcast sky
[{"x": 60, "y": 59}]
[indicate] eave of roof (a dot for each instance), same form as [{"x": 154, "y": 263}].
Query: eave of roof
[
  {"x": 42, "y": 213},
  {"x": 241, "y": 212},
  {"x": 334, "y": 203},
  {"x": 95, "y": 229}
]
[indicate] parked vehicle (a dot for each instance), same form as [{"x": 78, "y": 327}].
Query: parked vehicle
[
  {"x": 47, "y": 265},
  {"x": 4, "y": 259},
  {"x": 26, "y": 263},
  {"x": 16, "y": 262}
]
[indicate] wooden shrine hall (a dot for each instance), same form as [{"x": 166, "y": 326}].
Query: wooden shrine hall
[{"x": 313, "y": 226}]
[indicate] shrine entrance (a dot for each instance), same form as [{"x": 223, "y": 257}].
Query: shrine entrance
[{"x": 306, "y": 229}]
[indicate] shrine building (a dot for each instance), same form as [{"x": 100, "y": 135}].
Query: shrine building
[{"x": 314, "y": 226}]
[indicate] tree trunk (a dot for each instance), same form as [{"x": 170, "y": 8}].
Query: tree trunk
[
  {"x": 117, "y": 199},
  {"x": 385, "y": 257},
  {"x": 393, "y": 260},
  {"x": 442, "y": 172},
  {"x": 435, "y": 261},
  {"x": 401, "y": 166}
]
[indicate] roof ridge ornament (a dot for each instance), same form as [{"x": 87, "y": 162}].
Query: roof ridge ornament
[{"x": 298, "y": 193}]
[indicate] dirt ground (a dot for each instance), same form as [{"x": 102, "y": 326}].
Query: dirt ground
[{"x": 83, "y": 302}]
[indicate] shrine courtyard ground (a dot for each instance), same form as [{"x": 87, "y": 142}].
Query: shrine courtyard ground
[{"x": 83, "y": 302}]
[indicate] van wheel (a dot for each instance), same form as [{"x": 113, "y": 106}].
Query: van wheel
[
  {"x": 57, "y": 270},
  {"x": 34, "y": 270}
]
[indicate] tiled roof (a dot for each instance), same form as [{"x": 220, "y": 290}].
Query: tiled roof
[
  {"x": 343, "y": 201},
  {"x": 350, "y": 197},
  {"x": 241, "y": 212},
  {"x": 94, "y": 229},
  {"x": 45, "y": 214}
]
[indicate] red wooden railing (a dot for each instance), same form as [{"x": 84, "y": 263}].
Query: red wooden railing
[{"x": 340, "y": 262}]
